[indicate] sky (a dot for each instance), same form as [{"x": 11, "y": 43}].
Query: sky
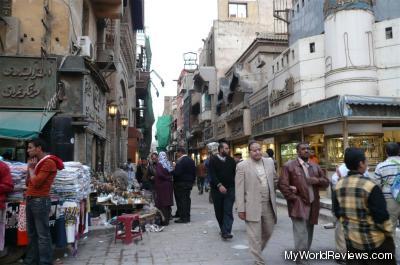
[{"x": 175, "y": 27}]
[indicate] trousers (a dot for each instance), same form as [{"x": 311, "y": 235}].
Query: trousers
[
  {"x": 260, "y": 232},
  {"x": 37, "y": 217}
]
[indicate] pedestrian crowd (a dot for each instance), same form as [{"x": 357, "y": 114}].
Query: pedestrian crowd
[{"x": 367, "y": 206}]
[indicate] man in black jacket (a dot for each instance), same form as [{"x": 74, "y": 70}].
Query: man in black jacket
[
  {"x": 184, "y": 177},
  {"x": 223, "y": 168}
]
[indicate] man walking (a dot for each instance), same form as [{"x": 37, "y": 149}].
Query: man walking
[
  {"x": 385, "y": 174},
  {"x": 361, "y": 208},
  {"x": 42, "y": 169},
  {"x": 201, "y": 176},
  {"x": 222, "y": 171},
  {"x": 184, "y": 177},
  {"x": 300, "y": 183},
  {"x": 256, "y": 200}
]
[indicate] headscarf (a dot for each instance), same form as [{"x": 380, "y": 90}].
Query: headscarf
[{"x": 162, "y": 158}]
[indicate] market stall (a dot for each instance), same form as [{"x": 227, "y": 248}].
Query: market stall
[
  {"x": 116, "y": 196},
  {"x": 69, "y": 211}
]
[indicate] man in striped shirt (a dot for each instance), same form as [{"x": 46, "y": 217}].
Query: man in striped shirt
[{"x": 385, "y": 174}]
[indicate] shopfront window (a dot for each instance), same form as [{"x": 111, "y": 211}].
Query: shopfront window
[
  {"x": 288, "y": 152},
  {"x": 243, "y": 149},
  {"x": 316, "y": 142},
  {"x": 372, "y": 144}
]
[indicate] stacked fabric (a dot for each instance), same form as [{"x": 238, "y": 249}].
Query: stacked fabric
[
  {"x": 19, "y": 173},
  {"x": 72, "y": 183}
]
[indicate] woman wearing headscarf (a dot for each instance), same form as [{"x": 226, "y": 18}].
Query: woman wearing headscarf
[{"x": 163, "y": 186}]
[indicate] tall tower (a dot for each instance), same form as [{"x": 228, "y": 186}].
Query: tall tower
[{"x": 349, "y": 55}]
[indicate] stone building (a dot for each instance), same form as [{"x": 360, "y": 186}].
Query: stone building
[
  {"x": 241, "y": 27},
  {"x": 336, "y": 85},
  {"x": 64, "y": 66}
]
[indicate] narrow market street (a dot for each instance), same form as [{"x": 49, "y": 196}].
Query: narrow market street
[{"x": 195, "y": 243}]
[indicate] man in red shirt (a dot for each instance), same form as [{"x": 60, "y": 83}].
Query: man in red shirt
[
  {"x": 6, "y": 186},
  {"x": 42, "y": 169}
]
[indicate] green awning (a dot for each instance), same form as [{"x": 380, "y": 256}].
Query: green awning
[{"x": 22, "y": 125}]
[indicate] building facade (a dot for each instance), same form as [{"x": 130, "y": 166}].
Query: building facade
[
  {"x": 64, "y": 64},
  {"x": 336, "y": 84}
]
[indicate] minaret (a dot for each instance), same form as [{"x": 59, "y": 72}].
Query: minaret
[{"x": 349, "y": 55}]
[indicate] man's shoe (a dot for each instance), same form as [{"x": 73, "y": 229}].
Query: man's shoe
[
  {"x": 226, "y": 236},
  {"x": 181, "y": 221}
]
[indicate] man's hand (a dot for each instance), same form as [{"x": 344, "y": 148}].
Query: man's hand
[
  {"x": 293, "y": 189},
  {"x": 312, "y": 180},
  {"x": 222, "y": 189},
  {"x": 31, "y": 171},
  {"x": 242, "y": 215},
  {"x": 32, "y": 162}
]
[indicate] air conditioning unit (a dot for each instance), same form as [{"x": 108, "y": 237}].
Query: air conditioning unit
[{"x": 86, "y": 46}]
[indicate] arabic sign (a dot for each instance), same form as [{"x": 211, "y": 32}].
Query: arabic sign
[{"x": 27, "y": 82}]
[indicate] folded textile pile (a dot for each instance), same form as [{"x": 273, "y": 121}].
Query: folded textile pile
[
  {"x": 72, "y": 183},
  {"x": 19, "y": 173}
]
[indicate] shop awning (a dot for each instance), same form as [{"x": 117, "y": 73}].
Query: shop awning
[{"x": 22, "y": 125}]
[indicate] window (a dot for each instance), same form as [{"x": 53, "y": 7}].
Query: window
[
  {"x": 293, "y": 54},
  {"x": 277, "y": 66},
  {"x": 389, "y": 33},
  {"x": 273, "y": 69},
  {"x": 292, "y": 12},
  {"x": 282, "y": 62},
  {"x": 205, "y": 102},
  {"x": 237, "y": 10},
  {"x": 287, "y": 58},
  {"x": 312, "y": 47},
  {"x": 302, "y": 3},
  {"x": 298, "y": 8}
]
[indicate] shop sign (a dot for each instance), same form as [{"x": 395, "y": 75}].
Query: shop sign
[
  {"x": 27, "y": 82},
  {"x": 95, "y": 106},
  {"x": 279, "y": 94}
]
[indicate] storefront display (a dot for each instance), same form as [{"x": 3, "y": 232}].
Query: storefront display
[
  {"x": 288, "y": 152},
  {"x": 242, "y": 149},
  {"x": 316, "y": 142},
  {"x": 372, "y": 145}
]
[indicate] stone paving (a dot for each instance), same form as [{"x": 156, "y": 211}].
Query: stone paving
[{"x": 196, "y": 243}]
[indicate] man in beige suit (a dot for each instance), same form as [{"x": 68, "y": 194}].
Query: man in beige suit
[{"x": 255, "y": 198}]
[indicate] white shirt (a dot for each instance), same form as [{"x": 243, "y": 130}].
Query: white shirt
[{"x": 343, "y": 171}]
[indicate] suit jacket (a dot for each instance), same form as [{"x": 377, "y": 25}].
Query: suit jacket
[
  {"x": 293, "y": 175},
  {"x": 185, "y": 170},
  {"x": 248, "y": 188}
]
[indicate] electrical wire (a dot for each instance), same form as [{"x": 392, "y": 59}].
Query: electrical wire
[{"x": 70, "y": 17}]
